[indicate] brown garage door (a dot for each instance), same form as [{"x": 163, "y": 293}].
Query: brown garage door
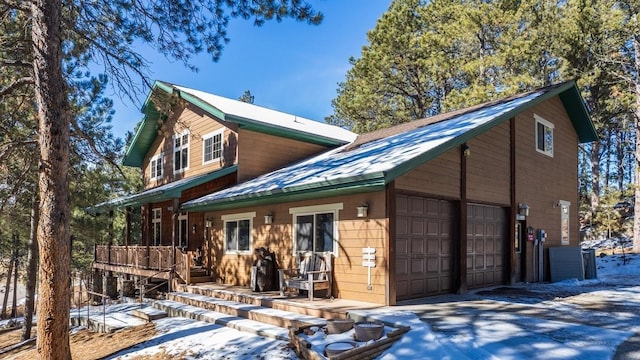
[
  {"x": 486, "y": 243},
  {"x": 424, "y": 234}
]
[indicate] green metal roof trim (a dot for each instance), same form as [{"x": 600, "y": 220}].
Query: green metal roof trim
[
  {"x": 161, "y": 193},
  {"x": 299, "y": 194},
  {"x": 375, "y": 163},
  {"x": 147, "y": 131},
  {"x": 577, "y": 110},
  {"x": 568, "y": 94}
]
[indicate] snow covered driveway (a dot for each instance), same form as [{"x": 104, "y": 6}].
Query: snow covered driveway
[{"x": 593, "y": 319}]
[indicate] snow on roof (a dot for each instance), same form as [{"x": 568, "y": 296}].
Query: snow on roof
[
  {"x": 371, "y": 160},
  {"x": 274, "y": 118}
]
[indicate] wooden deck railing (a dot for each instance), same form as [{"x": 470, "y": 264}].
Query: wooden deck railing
[
  {"x": 158, "y": 258},
  {"x": 151, "y": 258}
]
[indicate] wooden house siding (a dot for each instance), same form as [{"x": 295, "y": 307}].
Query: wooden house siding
[
  {"x": 198, "y": 124},
  {"x": 261, "y": 153},
  {"x": 488, "y": 167},
  {"x": 350, "y": 277},
  {"x": 541, "y": 181},
  {"x": 438, "y": 177}
]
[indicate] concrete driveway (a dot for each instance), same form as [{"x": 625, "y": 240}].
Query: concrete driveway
[{"x": 539, "y": 321}]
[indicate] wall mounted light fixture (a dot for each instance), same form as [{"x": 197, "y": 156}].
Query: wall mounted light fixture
[
  {"x": 523, "y": 209},
  {"x": 208, "y": 223},
  {"x": 194, "y": 228},
  {"x": 268, "y": 219},
  {"x": 466, "y": 150},
  {"x": 363, "y": 210}
]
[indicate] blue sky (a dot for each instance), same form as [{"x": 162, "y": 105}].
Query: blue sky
[{"x": 289, "y": 66}]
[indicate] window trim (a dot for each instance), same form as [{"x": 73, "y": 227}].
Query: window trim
[
  {"x": 212, "y": 135},
  {"x": 546, "y": 124},
  {"x": 180, "y": 148},
  {"x": 155, "y": 221},
  {"x": 334, "y": 208},
  {"x": 152, "y": 167},
  {"x": 235, "y": 218}
]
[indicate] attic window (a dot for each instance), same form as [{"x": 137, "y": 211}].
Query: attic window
[
  {"x": 544, "y": 136},
  {"x": 212, "y": 146},
  {"x": 181, "y": 152}
]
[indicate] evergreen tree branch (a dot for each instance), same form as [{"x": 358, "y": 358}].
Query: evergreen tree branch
[{"x": 15, "y": 85}]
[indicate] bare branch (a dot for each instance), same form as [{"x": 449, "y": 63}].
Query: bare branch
[
  {"x": 92, "y": 144},
  {"x": 18, "y": 63},
  {"x": 15, "y": 85}
]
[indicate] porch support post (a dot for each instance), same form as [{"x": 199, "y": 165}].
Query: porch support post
[
  {"x": 174, "y": 233},
  {"x": 110, "y": 235},
  {"x": 390, "y": 245},
  {"x": 462, "y": 237},
  {"x": 127, "y": 226},
  {"x": 147, "y": 234}
]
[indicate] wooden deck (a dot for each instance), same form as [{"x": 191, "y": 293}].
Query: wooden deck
[{"x": 149, "y": 261}]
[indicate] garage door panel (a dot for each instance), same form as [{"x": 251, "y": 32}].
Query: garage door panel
[
  {"x": 433, "y": 207},
  {"x": 445, "y": 247},
  {"x": 417, "y": 245},
  {"x": 433, "y": 245},
  {"x": 416, "y": 206},
  {"x": 417, "y": 227},
  {"x": 417, "y": 287},
  {"x": 402, "y": 267},
  {"x": 402, "y": 226},
  {"x": 402, "y": 246},
  {"x": 433, "y": 265},
  {"x": 485, "y": 246},
  {"x": 417, "y": 266},
  {"x": 429, "y": 241}
]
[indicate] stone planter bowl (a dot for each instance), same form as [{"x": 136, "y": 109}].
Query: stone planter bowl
[
  {"x": 366, "y": 331},
  {"x": 335, "y": 348},
  {"x": 337, "y": 326}
]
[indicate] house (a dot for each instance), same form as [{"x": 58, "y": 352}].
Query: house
[
  {"x": 189, "y": 144},
  {"x": 461, "y": 200}
]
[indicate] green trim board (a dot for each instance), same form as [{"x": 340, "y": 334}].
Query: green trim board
[
  {"x": 393, "y": 155},
  {"x": 570, "y": 97},
  {"x": 147, "y": 131},
  {"x": 289, "y": 196},
  {"x": 161, "y": 193}
]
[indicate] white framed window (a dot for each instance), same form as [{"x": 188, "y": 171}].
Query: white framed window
[
  {"x": 156, "y": 226},
  {"x": 238, "y": 238},
  {"x": 155, "y": 167},
  {"x": 212, "y": 147},
  {"x": 544, "y": 136},
  {"x": 183, "y": 230},
  {"x": 315, "y": 228},
  {"x": 181, "y": 152}
]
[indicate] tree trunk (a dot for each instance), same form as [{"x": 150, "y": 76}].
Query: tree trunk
[
  {"x": 53, "y": 229},
  {"x": 32, "y": 268},
  {"x": 14, "y": 303},
  {"x": 7, "y": 287},
  {"x": 636, "y": 221},
  {"x": 595, "y": 176}
]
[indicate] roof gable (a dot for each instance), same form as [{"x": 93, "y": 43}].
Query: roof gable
[
  {"x": 247, "y": 116},
  {"x": 377, "y": 158}
]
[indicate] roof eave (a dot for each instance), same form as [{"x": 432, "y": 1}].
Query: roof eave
[{"x": 351, "y": 185}]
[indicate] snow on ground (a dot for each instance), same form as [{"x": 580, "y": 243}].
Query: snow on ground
[
  {"x": 566, "y": 320},
  {"x": 191, "y": 339}
]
